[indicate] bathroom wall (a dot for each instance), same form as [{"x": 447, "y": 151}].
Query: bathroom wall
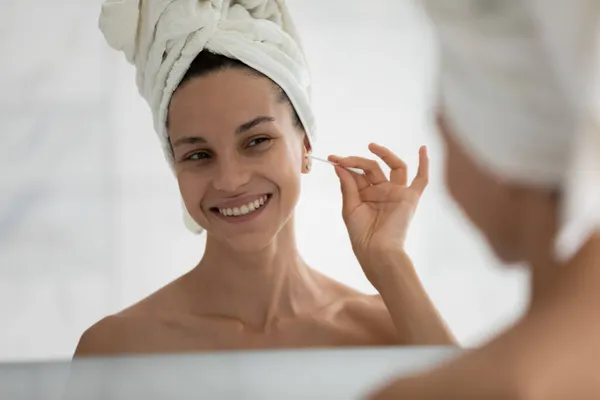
[{"x": 90, "y": 219}]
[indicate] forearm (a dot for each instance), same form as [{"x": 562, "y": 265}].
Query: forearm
[{"x": 413, "y": 313}]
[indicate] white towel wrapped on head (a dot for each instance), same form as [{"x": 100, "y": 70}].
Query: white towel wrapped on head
[
  {"x": 163, "y": 37},
  {"x": 520, "y": 86}
]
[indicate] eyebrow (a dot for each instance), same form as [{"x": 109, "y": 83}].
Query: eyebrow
[
  {"x": 245, "y": 127},
  {"x": 263, "y": 119}
]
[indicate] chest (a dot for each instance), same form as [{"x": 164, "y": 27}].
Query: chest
[{"x": 210, "y": 334}]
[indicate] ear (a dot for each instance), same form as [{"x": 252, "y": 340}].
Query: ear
[
  {"x": 306, "y": 160},
  {"x": 307, "y": 147}
]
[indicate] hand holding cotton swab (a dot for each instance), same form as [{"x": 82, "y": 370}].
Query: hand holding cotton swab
[{"x": 355, "y": 170}]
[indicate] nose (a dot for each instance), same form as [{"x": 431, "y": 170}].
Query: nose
[{"x": 231, "y": 175}]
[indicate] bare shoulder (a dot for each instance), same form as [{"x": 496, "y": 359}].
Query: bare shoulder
[
  {"x": 369, "y": 315},
  {"x": 369, "y": 307},
  {"x": 110, "y": 336},
  {"x": 131, "y": 329},
  {"x": 365, "y": 314}
]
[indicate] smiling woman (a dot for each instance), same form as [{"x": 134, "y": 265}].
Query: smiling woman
[
  {"x": 238, "y": 139},
  {"x": 238, "y": 150}
]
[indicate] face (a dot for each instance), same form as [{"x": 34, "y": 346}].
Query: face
[
  {"x": 492, "y": 205},
  {"x": 238, "y": 156}
]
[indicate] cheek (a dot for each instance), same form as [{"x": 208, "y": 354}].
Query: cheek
[
  {"x": 192, "y": 189},
  {"x": 469, "y": 190},
  {"x": 482, "y": 198},
  {"x": 457, "y": 181},
  {"x": 286, "y": 171},
  {"x": 484, "y": 202}
]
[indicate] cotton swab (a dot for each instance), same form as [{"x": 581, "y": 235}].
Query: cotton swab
[{"x": 355, "y": 170}]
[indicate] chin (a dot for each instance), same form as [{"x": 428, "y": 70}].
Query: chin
[{"x": 249, "y": 243}]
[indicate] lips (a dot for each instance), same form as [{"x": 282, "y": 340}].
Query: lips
[{"x": 241, "y": 207}]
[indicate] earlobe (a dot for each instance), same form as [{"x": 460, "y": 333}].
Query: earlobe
[
  {"x": 307, "y": 162},
  {"x": 306, "y": 165}
]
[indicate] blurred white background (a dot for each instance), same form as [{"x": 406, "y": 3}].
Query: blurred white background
[{"x": 90, "y": 219}]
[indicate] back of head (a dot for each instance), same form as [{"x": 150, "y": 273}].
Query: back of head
[{"x": 519, "y": 88}]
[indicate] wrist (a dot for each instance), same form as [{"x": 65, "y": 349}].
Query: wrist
[
  {"x": 385, "y": 267},
  {"x": 417, "y": 320}
]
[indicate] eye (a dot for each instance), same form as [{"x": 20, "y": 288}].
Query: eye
[
  {"x": 258, "y": 141},
  {"x": 200, "y": 155}
]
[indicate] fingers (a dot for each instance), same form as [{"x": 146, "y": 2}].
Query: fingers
[
  {"x": 379, "y": 194},
  {"x": 361, "y": 180},
  {"x": 422, "y": 179},
  {"x": 374, "y": 175},
  {"x": 373, "y": 172},
  {"x": 397, "y": 166},
  {"x": 350, "y": 191}
]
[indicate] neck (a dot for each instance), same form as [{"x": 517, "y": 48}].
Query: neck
[{"x": 256, "y": 288}]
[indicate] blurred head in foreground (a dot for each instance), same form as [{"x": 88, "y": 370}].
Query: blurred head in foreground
[{"x": 519, "y": 114}]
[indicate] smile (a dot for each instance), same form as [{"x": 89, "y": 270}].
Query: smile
[{"x": 244, "y": 210}]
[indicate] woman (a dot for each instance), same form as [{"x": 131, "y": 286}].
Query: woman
[
  {"x": 520, "y": 122},
  {"x": 238, "y": 140}
]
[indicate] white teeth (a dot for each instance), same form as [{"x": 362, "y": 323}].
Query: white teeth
[{"x": 245, "y": 209}]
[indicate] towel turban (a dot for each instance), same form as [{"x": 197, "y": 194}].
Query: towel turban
[{"x": 520, "y": 85}]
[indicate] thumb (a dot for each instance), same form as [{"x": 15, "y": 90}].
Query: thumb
[{"x": 350, "y": 194}]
